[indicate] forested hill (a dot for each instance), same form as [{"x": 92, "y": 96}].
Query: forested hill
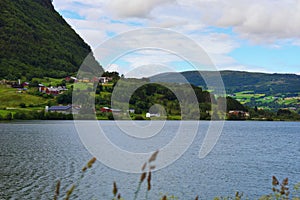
[
  {"x": 35, "y": 41},
  {"x": 237, "y": 81}
]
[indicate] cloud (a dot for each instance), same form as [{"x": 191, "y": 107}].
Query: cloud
[
  {"x": 246, "y": 68},
  {"x": 219, "y": 27},
  {"x": 144, "y": 71},
  {"x": 136, "y": 8},
  {"x": 262, "y": 21}
]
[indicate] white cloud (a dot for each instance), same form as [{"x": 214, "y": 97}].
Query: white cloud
[
  {"x": 269, "y": 22},
  {"x": 262, "y": 21},
  {"x": 136, "y": 8},
  {"x": 115, "y": 68},
  {"x": 147, "y": 71}
]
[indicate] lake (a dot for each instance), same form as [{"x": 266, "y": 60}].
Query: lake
[{"x": 35, "y": 154}]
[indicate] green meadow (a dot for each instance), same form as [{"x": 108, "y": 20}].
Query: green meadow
[{"x": 11, "y": 98}]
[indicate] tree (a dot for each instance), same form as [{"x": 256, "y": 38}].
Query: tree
[{"x": 8, "y": 116}]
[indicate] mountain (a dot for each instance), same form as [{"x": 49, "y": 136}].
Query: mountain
[
  {"x": 239, "y": 81},
  {"x": 36, "y": 41},
  {"x": 261, "y": 90}
]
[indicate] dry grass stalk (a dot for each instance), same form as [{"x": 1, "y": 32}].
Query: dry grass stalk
[
  {"x": 143, "y": 176},
  {"x": 149, "y": 181},
  {"x": 274, "y": 181},
  {"x": 285, "y": 181},
  {"x": 238, "y": 196},
  {"x": 115, "y": 189},
  {"x": 282, "y": 190},
  {"x": 153, "y": 157},
  {"x": 144, "y": 166},
  {"x": 57, "y": 188},
  {"x": 84, "y": 169},
  {"x": 152, "y": 167},
  {"x": 69, "y": 192},
  {"x": 91, "y": 162}
]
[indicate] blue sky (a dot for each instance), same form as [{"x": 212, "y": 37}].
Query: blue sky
[{"x": 247, "y": 35}]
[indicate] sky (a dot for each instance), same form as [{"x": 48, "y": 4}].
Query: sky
[{"x": 244, "y": 35}]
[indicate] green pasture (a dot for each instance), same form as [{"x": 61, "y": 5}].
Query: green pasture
[
  {"x": 48, "y": 81},
  {"x": 288, "y": 101},
  {"x": 246, "y": 96},
  {"x": 12, "y": 98}
]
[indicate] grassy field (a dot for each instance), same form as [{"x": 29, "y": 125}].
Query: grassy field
[
  {"x": 12, "y": 98},
  {"x": 246, "y": 96},
  {"x": 48, "y": 81},
  {"x": 262, "y": 100}
]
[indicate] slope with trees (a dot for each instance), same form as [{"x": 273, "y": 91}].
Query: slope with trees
[{"x": 36, "y": 41}]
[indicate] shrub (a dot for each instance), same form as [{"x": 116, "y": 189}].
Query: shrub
[{"x": 22, "y": 105}]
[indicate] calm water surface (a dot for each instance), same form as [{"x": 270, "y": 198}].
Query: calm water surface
[{"x": 35, "y": 154}]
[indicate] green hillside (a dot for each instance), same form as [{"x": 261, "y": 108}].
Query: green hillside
[
  {"x": 36, "y": 41},
  {"x": 239, "y": 81},
  {"x": 268, "y": 91}
]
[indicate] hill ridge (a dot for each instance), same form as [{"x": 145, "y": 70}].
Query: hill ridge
[{"x": 237, "y": 81}]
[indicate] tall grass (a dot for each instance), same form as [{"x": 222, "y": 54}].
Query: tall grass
[{"x": 280, "y": 191}]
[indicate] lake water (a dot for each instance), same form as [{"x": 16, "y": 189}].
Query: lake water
[{"x": 35, "y": 154}]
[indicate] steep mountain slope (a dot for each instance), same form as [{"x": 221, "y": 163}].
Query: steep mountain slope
[{"x": 35, "y": 41}]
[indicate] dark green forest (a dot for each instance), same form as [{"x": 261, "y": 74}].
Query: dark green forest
[{"x": 35, "y": 41}]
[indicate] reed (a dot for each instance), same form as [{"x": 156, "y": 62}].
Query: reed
[
  {"x": 57, "y": 188},
  {"x": 72, "y": 187},
  {"x": 147, "y": 174},
  {"x": 281, "y": 190}
]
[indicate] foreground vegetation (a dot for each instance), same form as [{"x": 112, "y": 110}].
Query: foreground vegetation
[{"x": 280, "y": 190}]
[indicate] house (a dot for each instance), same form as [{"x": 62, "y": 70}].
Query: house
[
  {"x": 85, "y": 80},
  {"x": 75, "y": 109},
  {"x": 148, "y": 115},
  {"x": 68, "y": 78},
  {"x": 131, "y": 111},
  {"x": 42, "y": 88},
  {"x": 103, "y": 79},
  {"x": 25, "y": 84},
  {"x": 95, "y": 80},
  {"x": 238, "y": 114},
  {"x": 114, "y": 110},
  {"x": 62, "y": 88},
  {"x": 60, "y": 109},
  {"x": 51, "y": 90},
  {"x": 107, "y": 109},
  {"x": 74, "y": 78},
  {"x": 69, "y": 109},
  {"x": 16, "y": 85}
]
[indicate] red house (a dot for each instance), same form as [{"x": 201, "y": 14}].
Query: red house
[
  {"x": 68, "y": 78},
  {"x": 105, "y": 109},
  {"x": 53, "y": 91}
]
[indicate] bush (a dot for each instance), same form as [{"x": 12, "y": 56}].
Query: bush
[
  {"x": 139, "y": 117},
  {"x": 8, "y": 116},
  {"x": 22, "y": 105}
]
